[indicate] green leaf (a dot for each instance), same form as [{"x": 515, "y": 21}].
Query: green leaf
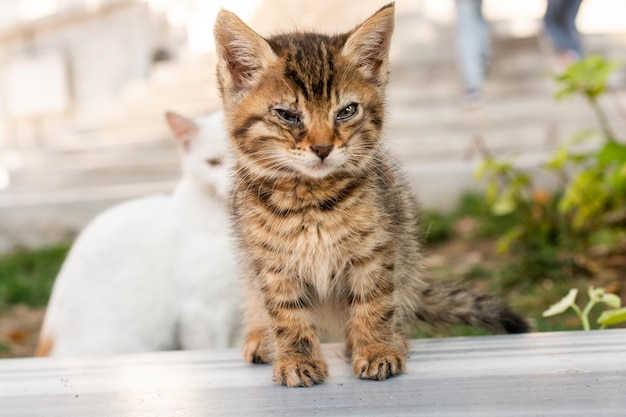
[
  {"x": 595, "y": 294},
  {"x": 520, "y": 180},
  {"x": 587, "y": 77},
  {"x": 612, "y": 152},
  {"x": 560, "y": 159},
  {"x": 481, "y": 169},
  {"x": 491, "y": 193},
  {"x": 503, "y": 205},
  {"x": 610, "y": 317},
  {"x": 615, "y": 180},
  {"x": 584, "y": 197},
  {"x": 565, "y": 92},
  {"x": 612, "y": 300},
  {"x": 565, "y": 303}
]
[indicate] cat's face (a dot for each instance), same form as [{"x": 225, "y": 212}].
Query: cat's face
[
  {"x": 207, "y": 158},
  {"x": 203, "y": 143},
  {"x": 304, "y": 104}
]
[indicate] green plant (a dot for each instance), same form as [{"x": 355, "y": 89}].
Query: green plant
[
  {"x": 588, "y": 77},
  {"x": 591, "y": 208},
  {"x": 615, "y": 315},
  {"x": 596, "y": 194},
  {"x": 510, "y": 191},
  {"x": 437, "y": 227},
  {"x": 27, "y": 277}
]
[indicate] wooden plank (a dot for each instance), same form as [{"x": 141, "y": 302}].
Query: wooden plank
[{"x": 542, "y": 374}]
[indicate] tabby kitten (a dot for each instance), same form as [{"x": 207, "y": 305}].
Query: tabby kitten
[{"x": 324, "y": 218}]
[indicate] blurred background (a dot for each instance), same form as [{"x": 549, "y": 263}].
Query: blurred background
[{"x": 84, "y": 85}]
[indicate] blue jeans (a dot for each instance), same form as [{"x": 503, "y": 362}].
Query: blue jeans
[
  {"x": 560, "y": 23},
  {"x": 473, "y": 47}
]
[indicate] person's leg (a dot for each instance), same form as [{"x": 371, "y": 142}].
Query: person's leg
[
  {"x": 570, "y": 13},
  {"x": 560, "y": 24},
  {"x": 554, "y": 22},
  {"x": 471, "y": 34},
  {"x": 485, "y": 40}
]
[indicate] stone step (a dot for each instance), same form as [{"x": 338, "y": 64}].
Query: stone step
[
  {"x": 98, "y": 195},
  {"x": 66, "y": 169}
]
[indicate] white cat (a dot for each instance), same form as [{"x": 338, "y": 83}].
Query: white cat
[{"x": 154, "y": 273}]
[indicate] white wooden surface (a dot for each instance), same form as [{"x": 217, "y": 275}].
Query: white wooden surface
[{"x": 543, "y": 374}]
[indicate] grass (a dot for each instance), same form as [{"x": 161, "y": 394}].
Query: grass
[{"x": 26, "y": 277}]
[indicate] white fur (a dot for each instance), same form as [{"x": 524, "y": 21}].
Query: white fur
[{"x": 154, "y": 273}]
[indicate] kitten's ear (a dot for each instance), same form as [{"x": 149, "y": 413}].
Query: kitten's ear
[
  {"x": 184, "y": 129},
  {"x": 368, "y": 44},
  {"x": 242, "y": 53}
]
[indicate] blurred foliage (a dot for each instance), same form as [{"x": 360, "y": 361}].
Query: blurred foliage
[
  {"x": 505, "y": 275},
  {"x": 548, "y": 241},
  {"x": 587, "y": 77},
  {"x": 436, "y": 227},
  {"x": 26, "y": 277},
  {"x": 567, "y": 230}
]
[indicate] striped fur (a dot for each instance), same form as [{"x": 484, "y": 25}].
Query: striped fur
[{"x": 325, "y": 220}]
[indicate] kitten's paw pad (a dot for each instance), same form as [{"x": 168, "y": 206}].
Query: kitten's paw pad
[
  {"x": 379, "y": 366},
  {"x": 256, "y": 349},
  {"x": 300, "y": 371}
]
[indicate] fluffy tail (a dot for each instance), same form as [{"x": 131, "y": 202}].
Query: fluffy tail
[{"x": 443, "y": 303}]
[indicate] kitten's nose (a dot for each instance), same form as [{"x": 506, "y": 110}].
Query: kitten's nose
[{"x": 322, "y": 151}]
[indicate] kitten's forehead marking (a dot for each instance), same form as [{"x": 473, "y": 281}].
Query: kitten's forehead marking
[{"x": 309, "y": 62}]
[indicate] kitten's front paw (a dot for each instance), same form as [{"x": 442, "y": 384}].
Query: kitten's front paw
[
  {"x": 256, "y": 348},
  {"x": 300, "y": 371},
  {"x": 379, "y": 363}
]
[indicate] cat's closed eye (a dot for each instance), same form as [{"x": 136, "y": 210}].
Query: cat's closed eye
[
  {"x": 288, "y": 116},
  {"x": 214, "y": 162}
]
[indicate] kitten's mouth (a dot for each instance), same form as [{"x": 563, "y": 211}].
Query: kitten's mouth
[{"x": 318, "y": 169}]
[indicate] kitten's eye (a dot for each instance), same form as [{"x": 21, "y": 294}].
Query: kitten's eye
[
  {"x": 347, "y": 112},
  {"x": 214, "y": 162},
  {"x": 288, "y": 116}
]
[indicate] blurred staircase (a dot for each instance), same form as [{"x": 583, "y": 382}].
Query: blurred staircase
[
  {"x": 53, "y": 192},
  {"x": 438, "y": 140},
  {"x": 130, "y": 153}
]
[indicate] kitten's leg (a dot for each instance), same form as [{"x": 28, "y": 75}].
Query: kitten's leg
[
  {"x": 299, "y": 362},
  {"x": 258, "y": 345},
  {"x": 379, "y": 349},
  {"x": 298, "y": 359}
]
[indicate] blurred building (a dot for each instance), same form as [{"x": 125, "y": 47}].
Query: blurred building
[{"x": 65, "y": 63}]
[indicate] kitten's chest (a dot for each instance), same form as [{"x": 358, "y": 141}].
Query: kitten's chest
[
  {"x": 323, "y": 250},
  {"x": 323, "y": 218},
  {"x": 314, "y": 230}
]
